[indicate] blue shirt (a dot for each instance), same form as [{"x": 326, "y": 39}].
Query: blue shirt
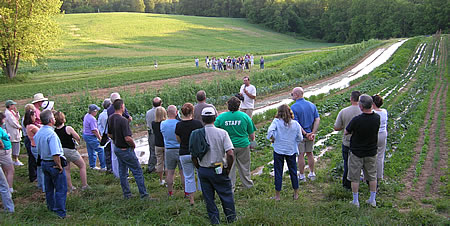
[
  {"x": 304, "y": 113},
  {"x": 48, "y": 143},
  {"x": 168, "y": 131},
  {"x": 5, "y": 139},
  {"x": 286, "y": 137},
  {"x": 102, "y": 121}
]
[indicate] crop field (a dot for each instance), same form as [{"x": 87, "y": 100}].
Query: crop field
[
  {"x": 415, "y": 191},
  {"x": 413, "y": 83}
]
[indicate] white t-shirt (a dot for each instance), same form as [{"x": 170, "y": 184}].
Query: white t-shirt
[
  {"x": 383, "y": 120},
  {"x": 248, "y": 103}
]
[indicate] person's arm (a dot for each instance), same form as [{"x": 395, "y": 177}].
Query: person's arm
[
  {"x": 195, "y": 162},
  {"x": 57, "y": 161},
  {"x": 252, "y": 136},
  {"x": 312, "y": 135},
  {"x": 230, "y": 160},
  {"x": 74, "y": 134},
  {"x": 178, "y": 139},
  {"x": 346, "y": 132},
  {"x": 97, "y": 134},
  {"x": 251, "y": 96},
  {"x": 271, "y": 132},
  {"x": 11, "y": 120},
  {"x": 1, "y": 144},
  {"x": 130, "y": 142},
  {"x": 338, "y": 125}
]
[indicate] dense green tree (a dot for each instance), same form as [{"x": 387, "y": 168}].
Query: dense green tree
[{"x": 28, "y": 32}]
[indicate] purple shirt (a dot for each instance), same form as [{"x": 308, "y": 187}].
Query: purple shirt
[{"x": 89, "y": 124}]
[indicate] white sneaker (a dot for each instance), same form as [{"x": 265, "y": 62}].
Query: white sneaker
[
  {"x": 312, "y": 176},
  {"x": 103, "y": 169},
  {"x": 95, "y": 168},
  {"x": 162, "y": 183},
  {"x": 18, "y": 163},
  {"x": 373, "y": 204},
  {"x": 301, "y": 179},
  {"x": 355, "y": 204}
]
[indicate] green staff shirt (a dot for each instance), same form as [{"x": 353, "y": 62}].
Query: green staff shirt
[{"x": 238, "y": 125}]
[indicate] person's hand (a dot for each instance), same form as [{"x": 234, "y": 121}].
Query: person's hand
[
  {"x": 59, "y": 167},
  {"x": 227, "y": 170},
  {"x": 311, "y": 136}
]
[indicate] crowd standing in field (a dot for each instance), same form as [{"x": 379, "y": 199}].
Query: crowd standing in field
[
  {"x": 197, "y": 140},
  {"x": 241, "y": 63}
]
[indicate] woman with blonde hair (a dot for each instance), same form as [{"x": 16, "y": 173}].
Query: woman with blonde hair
[
  {"x": 160, "y": 115},
  {"x": 68, "y": 136},
  {"x": 285, "y": 134}
]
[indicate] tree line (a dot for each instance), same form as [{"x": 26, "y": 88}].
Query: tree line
[{"x": 342, "y": 21}]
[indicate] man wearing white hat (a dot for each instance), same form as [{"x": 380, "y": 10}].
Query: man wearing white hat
[{"x": 38, "y": 100}]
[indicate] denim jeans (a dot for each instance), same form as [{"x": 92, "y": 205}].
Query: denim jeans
[
  {"x": 39, "y": 172},
  {"x": 93, "y": 146},
  {"x": 189, "y": 174},
  {"x": 128, "y": 160},
  {"x": 55, "y": 188},
  {"x": 345, "y": 153},
  {"x": 7, "y": 201},
  {"x": 278, "y": 165},
  {"x": 32, "y": 167},
  {"x": 108, "y": 159},
  {"x": 220, "y": 183}
]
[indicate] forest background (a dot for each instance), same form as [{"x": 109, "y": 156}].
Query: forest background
[{"x": 343, "y": 21}]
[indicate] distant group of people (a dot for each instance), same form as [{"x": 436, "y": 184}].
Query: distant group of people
[
  {"x": 207, "y": 148},
  {"x": 245, "y": 62}
]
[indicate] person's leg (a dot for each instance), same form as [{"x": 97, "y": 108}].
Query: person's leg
[
  {"x": 243, "y": 163},
  {"x": 310, "y": 156},
  {"x": 47, "y": 168},
  {"x": 180, "y": 171},
  {"x": 123, "y": 174},
  {"x": 291, "y": 162},
  {"x": 206, "y": 175},
  {"x": 169, "y": 179},
  {"x": 222, "y": 185},
  {"x": 132, "y": 163},
  {"x": 278, "y": 162},
  {"x": 60, "y": 193},
  {"x": 301, "y": 163},
  {"x": 7, "y": 201},
  {"x": 9, "y": 173},
  {"x": 82, "y": 166},
  {"x": 31, "y": 160},
  {"x": 380, "y": 154},
  {"x": 69, "y": 180},
  {"x": 16, "y": 152},
  {"x": 108, "y": 161},
  {"x": 159, "y": 152},
  {"x": 189, "y": 174},
  {"x": 152, "y": 161},
  {"x": 90, "y": 147},
  {"x": 345, "y": 153},
  {"x": 354, "y": 169},
  {"x": 370, "y": 171},
  {"x": 101, "y": 154}
]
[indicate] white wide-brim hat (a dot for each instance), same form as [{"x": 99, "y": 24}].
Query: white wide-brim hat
[
  {"x": 48, "y": 105},
  {"x": 38, "y": 97}
]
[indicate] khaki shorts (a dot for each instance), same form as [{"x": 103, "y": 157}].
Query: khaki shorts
[
  {"x": 368, "y": 164},
  {"x": 306, "y": 145},
  {"x": 159, "y": 151},
  {"x": 71, "y": 155},
  {"x": 5, "y": 157},
  {"x": 248, "y": 111}
]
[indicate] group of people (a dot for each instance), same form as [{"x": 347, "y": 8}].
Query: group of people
[
  {"x": 231, "y": 63},
  {"x": 197, "y": 141}
]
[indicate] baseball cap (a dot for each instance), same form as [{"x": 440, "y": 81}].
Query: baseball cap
[
  {"x": 208, "y": 111},
  {"x": 93, "y": 108},
  {"x": 9, "y": 103}
]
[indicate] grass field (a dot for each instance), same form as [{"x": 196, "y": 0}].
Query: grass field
[{"x": 115, "y": 40}]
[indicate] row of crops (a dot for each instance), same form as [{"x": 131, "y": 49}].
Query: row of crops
[
  {"x": 298, "y": 70},
  {"x": 405, "y": 82}
]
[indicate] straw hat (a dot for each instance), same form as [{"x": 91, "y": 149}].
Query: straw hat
[{"x": 38, "y": 97}]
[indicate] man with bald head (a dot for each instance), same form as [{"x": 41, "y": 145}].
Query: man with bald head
[
  {"x": 172, "y": 147},
  {"x": 306, "y": 114},
  {"x": 201, "y": 103},
  {"x": 149, "y": 118}
]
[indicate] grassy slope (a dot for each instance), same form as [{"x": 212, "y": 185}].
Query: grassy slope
[{"x": 108, "y": 40}]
